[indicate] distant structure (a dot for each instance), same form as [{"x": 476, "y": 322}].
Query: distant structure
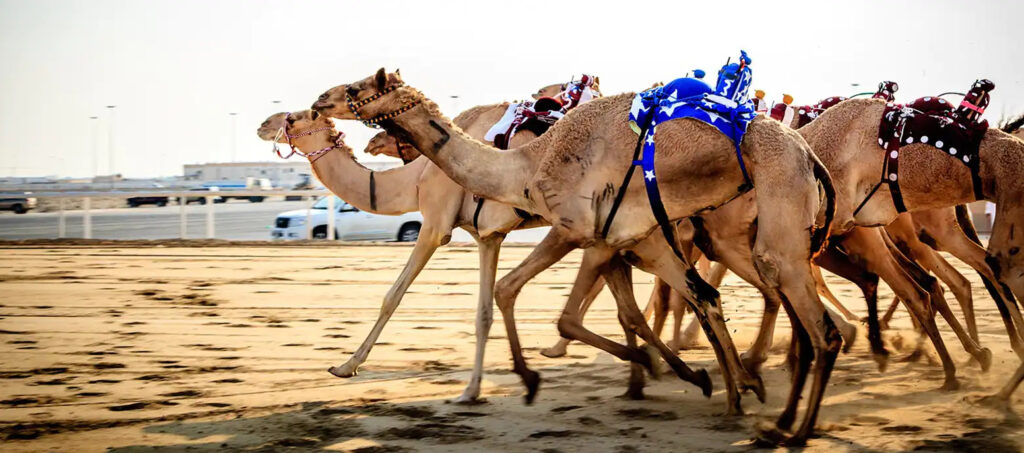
[{"x": 280, "y": 174}]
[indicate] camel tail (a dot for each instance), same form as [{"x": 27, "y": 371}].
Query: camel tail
[{"x": 819, "y": 239}]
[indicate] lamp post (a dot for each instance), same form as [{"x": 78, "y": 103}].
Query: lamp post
[
  {"x": 110, "y": 144},
  {"x": 234, "y": 135},
  {"x": 94, "y": 124}
]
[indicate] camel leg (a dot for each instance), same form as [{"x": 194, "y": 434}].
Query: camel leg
[
  {"x": 560, "y": 348},
  {"x": 868, "y": 245},
  {"x": 927, "y": 256},
  {"x": 890, "y": 312},
  {"x": 616, "y": 274},
  {"x": 961, "y": 288},
  {"x": 551, "y": 249},
  {"x": 429, "y": 240},
  {"x": 688, "y": 338},
  {"x": 489, "y": 249},
  {"x": 717, "y": 274},
  {"x": 1007, "y": 391},
  {"x": 841, "y": 264},
  {"x": 824, "y": 291},
  {"x": 635, "y": 386},
  {"x": 657, "y": 305},
  {"x": 657, "y": 259},
  {"x": 957, "y": 243},
  {"x": 799, "y": 358},
  {"x": 677, "y": 306}
]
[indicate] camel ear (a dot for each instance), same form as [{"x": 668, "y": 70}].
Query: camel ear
[
  {"x": 381, "y": 78},
  {"x": 597, "y": 80}
]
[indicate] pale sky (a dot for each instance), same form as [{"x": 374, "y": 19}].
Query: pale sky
[{"x": 175, "y": 69}]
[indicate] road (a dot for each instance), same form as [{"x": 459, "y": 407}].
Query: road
[{"x": 234, "y": 220}]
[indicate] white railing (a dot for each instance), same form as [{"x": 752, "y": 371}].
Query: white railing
[{"x": 87, "y": 197}]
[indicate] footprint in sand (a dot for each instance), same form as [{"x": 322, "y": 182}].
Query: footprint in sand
[
  {"x": 647, "y": 414},
  {"x": 128, "y": 407}
]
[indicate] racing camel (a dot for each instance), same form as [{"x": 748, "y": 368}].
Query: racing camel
[{"x": 570, "y": 175}]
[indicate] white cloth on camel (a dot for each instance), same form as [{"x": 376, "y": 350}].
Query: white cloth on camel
[{"x": 503, "y": 124}]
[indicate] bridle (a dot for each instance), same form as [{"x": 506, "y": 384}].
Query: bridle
[
  {"x": 339, "y": 141},
  {"x": 353, "y": 106}
]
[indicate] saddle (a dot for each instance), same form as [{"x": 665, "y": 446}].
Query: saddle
[
  {"x": 727, "y": 108},
  {"x": 537, "y": 117},
  {"x": 935, "y": 122}
]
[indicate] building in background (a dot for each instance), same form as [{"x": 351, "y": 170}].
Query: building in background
[{"x": 280, "y": 174}]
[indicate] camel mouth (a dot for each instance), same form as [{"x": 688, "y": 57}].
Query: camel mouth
[{"x": 321, "y": 108}]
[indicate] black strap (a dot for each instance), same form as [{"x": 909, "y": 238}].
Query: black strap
[
  {"x": 629, "y": 175},
  {"x": 476, "y": 214},
  {"x": 975, "y": 166},
  {"x": 373, "y": 193}
]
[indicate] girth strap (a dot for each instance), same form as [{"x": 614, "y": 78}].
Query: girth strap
[{"x": 373, "y": 193}]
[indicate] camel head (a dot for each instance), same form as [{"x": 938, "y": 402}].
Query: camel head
[
  {"x": 295, "y": 123},
  {"x": 549, "y": 91},
  {"x": 376, "y": 98},
  {"x": 388, "y": 145}
]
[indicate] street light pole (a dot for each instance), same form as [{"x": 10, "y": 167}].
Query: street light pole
[
  {"x": 94, "y": 124},
  {"x": 110, "y": 144},
  {"x": 234, "y": 135}
]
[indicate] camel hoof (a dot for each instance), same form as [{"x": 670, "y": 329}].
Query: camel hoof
[
  {"x": 849, "y": 338},
  {"x": 768, "y": 436},
  {"x": 756, "y": 384},
  {"x": 635, "y": 392},
  {"x": 344, "y": 371},
  {"x": 912, "y": 357},
  {"x": 882, "y": 359},
  {"x": 531, "y": 379},
  {"x": 950, "y": 385},
  {"x": 553, "y": 352},
  {"x": 467, "y": 400},
  {"x": 646, "y": 356},
  {"x": 985, "y": 359},
  {"x": 703, "y": 380},
  {"x": 795, "y": 441},
  {"x": 994, "y": 402}
]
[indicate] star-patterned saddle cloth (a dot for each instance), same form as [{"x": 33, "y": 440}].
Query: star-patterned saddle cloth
[
  {"x": 728, "y": 108},
  {"x": 935, "y": 122}
]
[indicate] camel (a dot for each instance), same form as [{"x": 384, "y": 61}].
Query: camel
[
  {"x": 418, "y": 185},
  {"x": 570, "y": 175}
]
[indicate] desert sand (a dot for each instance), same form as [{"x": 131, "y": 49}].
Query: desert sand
[{"x": 141, "y": 348}]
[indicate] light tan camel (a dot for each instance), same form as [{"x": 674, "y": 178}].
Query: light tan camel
[
  {"x": 569, "y": 176},
  {"x": 418, "y": 185}
]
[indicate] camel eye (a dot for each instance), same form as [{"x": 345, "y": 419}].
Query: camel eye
[
  {"x": 352, "y": 91},
  {"x": 323, "y": 97}
]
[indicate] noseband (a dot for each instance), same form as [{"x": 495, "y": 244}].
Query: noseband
[
  {"x": 353, "y": 106},
  {"x": 282, "y": 132}
]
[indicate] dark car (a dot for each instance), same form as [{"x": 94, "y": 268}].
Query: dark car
[
  {"x": 135, "y": 202},
  {"x": 202, "y": 199}
]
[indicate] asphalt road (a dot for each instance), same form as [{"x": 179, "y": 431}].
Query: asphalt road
[{"x": 234, "y": 220}]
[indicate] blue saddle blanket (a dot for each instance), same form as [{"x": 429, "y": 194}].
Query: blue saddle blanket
[{"x": 727, "y": 107}]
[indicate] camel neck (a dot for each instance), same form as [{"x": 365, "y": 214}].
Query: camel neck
[
  {"x": 483, "y": 170},
  {"x": 393, "y": 191}
]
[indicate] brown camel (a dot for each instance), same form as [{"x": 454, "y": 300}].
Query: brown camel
[
  {"x": 569, "y": 176},
  {"x": 418, "y": 185}
]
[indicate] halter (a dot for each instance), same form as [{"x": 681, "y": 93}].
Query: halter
[
  {"x": 353, "y": 106},
  {"x": 282, "y": 132}
]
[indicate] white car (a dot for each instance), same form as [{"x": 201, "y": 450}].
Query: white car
[{"x": 350, "y": 224}]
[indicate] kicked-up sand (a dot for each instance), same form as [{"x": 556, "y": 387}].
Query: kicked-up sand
[{"x": 150, "y": 349}]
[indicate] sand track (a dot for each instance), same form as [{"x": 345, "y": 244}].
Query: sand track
[{"x": 155, "y": 348}]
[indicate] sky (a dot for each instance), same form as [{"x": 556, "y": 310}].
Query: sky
[{"x": 176, "y": 69}]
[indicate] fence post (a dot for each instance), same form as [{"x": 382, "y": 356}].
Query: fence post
[
  {"x": 182, "y": 217},
  {"x": 209, "y": 218},
  {"x": 330, "y": 217},
  {"x": 86, "y": 218},
  {"x": 309, "y": 219},
  {"x": 62, "y": 228}
]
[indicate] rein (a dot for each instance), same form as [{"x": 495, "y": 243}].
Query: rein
[
  {"x": 339, "y": 141},
  {"x": 353, "y": 106}
]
